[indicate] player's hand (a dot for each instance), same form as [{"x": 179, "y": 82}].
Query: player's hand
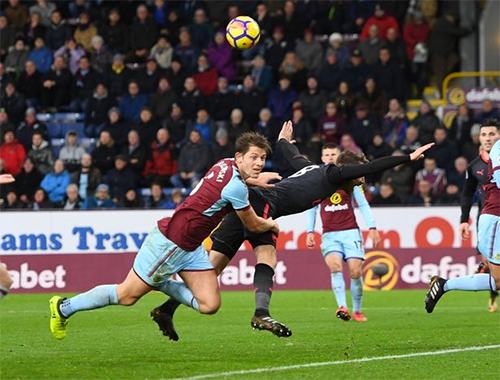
[
  {"x": 310, "y": 241},
  {"x": 263, "y": 180},
  {"x": 275, "y": 227},
  {"x": 286, "y": 132},
  {"x": 374, "y": 235},
  {"x": 464, "y": 229},
  {"x": 6, "y": 178},
  {"x": 419, "y": 153}
]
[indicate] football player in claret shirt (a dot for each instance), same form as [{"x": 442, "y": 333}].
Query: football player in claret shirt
[
  {"x": 488, "y": 236},
  {"x": 175, "y": 244},
  {"x": 476, "y": 178},
  {"x": 341, "y": 239}
]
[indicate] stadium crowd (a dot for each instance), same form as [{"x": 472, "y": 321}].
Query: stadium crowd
[{"x": 162, "y": 96}]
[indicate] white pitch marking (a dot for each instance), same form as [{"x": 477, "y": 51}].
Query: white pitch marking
[{"x": 338, "y": 362}]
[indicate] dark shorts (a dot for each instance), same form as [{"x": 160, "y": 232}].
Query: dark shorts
[{"x": 231, "y": 234}]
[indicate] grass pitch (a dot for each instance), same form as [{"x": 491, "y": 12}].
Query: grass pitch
[{"x": 123, "y": 343}]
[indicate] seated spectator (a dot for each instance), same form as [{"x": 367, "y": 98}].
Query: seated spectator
[
  {"x": 201, "y": 29},
  {"x": 175, "y": 199},
  {"x": 433, "y": 175},
  {"x": 470, "y": 149},
  {"x": 356, "y": 72},
  {"x": 309, "y": 51},
  {"x": 12, "y": 154},
  {"x": 177, "y": 74},
  {"x": 5, "y": 124},
  {"x": 394, "y": 124},
  {"x": 194, "y": 159},
  {"x": 72, "y": 53},
  {"x": 41, "y": 56},
  {"x": 344, "y": 100},
  {"x": 40, "y": 153},
  {"x": 29, "y": 84},
  {"x": 120, "y": 179},
  {"x": 87, "y": 177},
  {"x": 30, "y": 124},
  {"x": 378, "y": 148},
  {"x": 44, "y": 9},
  {"x": 205, "y": 76},
  {"x": 185, "y": 51},
  {"x": 451, "y": 195},
  {"x": 458, "y": 174},
  {"x": 267, "y": 125},
  {"x": 331, "y": 124},
  {"x": 330, "y": 73},
  {"x": 222, "y": 101},
  {"x": 488, "y": 111},
  {"x": 27, "y": 181},
  {"x": 58, "y": 32},
  {"x": 411, "y": 141},
  {"x": 131, "y": 104},
  {"x": 101, "y": 199},
  {"x": 85, "y": 31},
  {"x": 382, "y": 20},
  {"x": 162, "y": 52},
  {"x": 293, "y": 68},
  {"x": 396, "y": 46},
  {"x": 275, "y": 49},
  {"x": 149, "y": 76},
  {"x": 460, "y": 126},
  {"x": 204, "y": 125},
  {"x": 16, "y": 57},
  {"x": 374, "y": 97},
  {"x": 117, "y": 76},
  {"x": 223, "y": 148},
  {"x": 386, "y": 196},
  {"x": 12, "y": 202},
  {"x": 347, "y": 143},
  {"x": 390, "y": 76},
  {"x": 426, "y": 122},
  {"x": 148, "y": 126},
  {"x": 13, "y": 102},
  {"x": 363, "y": 125},
  {"x": 262, "y": 74},
  {"x": 423, "y": 195},
  {"x": 100, "y": 57},
  {"x": 56, "y": 182},
  {"x": 162, "y": 165},
  {"x": 371, "y": 46},
  {"x": 220, "y": 56},
  {"x": 72, "y": 201},
  {"x": 135, "y": 153},
  {"x": 71, "y": 153},
  {"x": 190, "y": 100},
  {"x": 176, "y": 124},
  {"x": 416, "y": 35},
  {"x": 114, "y": 32},
  {"x": 157, "y": 199},
  {"x": 40, "y": 200},
  {"x": 237, "y": 126},
  {"x": 131, "y": 200},
  {"x": 400, "y": 177},
  {"x": 104, "y": 154},
  {"x": 8, "y": 33},
  {"x": 85, "y": 81},
  {"x": 313, "y": 100},
  {"x": 117, "y": 127},
  {"x": 163, "y": 99},
  {"x": 444, "y": 151},
  {"x": 56, "y": 85},
  {"x": 97, "y": 110},
  {"x": 302, "y": 128}
]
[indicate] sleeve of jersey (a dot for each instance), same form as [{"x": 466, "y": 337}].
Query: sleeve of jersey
[
  {"x": 292, "y": 155},
  {"x": 468, "y": 191},
  {"x": 338, "y": 174},
  {"x": 236, "y": 193},
  {"x": 495, "y": 163},
  {"x": 311, "y": 218},
  {"x": 364, "y": 206}
]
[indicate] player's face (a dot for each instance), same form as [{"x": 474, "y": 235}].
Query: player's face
[
  {"x": 252, "y": 162},
  {"x": 329, "y": 156},
  {"x": 488, "y": 136}
]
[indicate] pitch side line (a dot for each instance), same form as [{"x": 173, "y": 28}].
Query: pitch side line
[{"x": 338, "y": 362}]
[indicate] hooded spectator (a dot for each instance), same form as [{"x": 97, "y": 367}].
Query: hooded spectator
[
  {"x": 221, "y": 57},
  {"x": 101, "y": 199},
  {"x": 71, "y": 153}
]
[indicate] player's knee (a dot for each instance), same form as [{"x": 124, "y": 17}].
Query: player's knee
[
  {"x": 127, "y": 300},
  {"x": 6, "y": 282},
  {"x": 210, "y": 306},
  {"x": 335, "y": 267},
  {"x": 355, "y": 273}
]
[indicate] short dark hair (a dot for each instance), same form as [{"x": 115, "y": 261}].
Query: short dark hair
[
  {"x": 490, "y": 123},
  {"x": 330, "y": 146},
  {"x": 350, "y": 158},
  {"x": 248, "y": 139}
]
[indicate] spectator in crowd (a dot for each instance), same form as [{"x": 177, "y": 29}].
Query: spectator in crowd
[
  {"x": 121, "y": 178},
  {"x": 433, "y": 175},
  {"x": 85, "y": 31},
  {"x": 470, "y": 149},
  {"x": 131, "y": 200},
  {"x": 459, "y": 172},
  {"x": 331, "y": 124},
  {"x": 131, "y": 104},
  {"x": 162, "y": 165},
  {"x": 56, "y": 182},
  {"x": 71, "y": 153},
  {"x": 204, "y": 125},
  {"x": 17, "y": 14},
  {"x": 264, "y": 19},
  {"x": 135, "y": 152},
  {"x": 11, "y": 201},
  {"x": 394, "y": 124},
  {"x": 291, "y": 21},
  {"x": 488, "y": 111},
  {"x": 201, "y": 30},
  {"x": 330, "y": 73},
  {"x": 176, "y": 124},
  {"x": 444, "y": 151},
  {"x": 220, "y": 56},
  {"x": 281, "y": 99},
  {"x": 313, "y": 100},
  {"x": 40, "y": 200},
  {"x": 411, "y": 141},
  {"x": 27, "y": 181},
  {"x": 451, "y": 195},
  {"x": 383, "y": 22},
  {"x": 85, "y": 80},
  {"x": 266, "y": 125},
  {"x": 426, "y": 122},
  {"x": 223, "y": 147},
  {"x": 293, "y": 68},
  {"x": 41, "y": 56},
  {"x": 58, "y": 32},
  {"x": 177, "y": 75},
  {"x": 400, "y": 177},
  {"x": 378, "y": 148},
  {"x": 114, "y": 32},
  {"x": 157, "y": 199},
  {"x": 12, "y": 153},
  {"x": 29, "y": 84},
  {"x": 389, "y": 75},
  {"x": 460, "y": 126},
  {"x": 176, "y": 198},
  {"x": 186, "y": 51},
  {"x": 348, "y": 143},
  {"x": 5, "y": 124},
  {"x": 97, "y": 110},
  {"x": 56, "y": 86},
  {"x": 386, "y": 196},
  {"x": 344, "y": 100},
  {"x": 336, "y": 45},
  {"x": 416, "y": 35},
  {"x": 162, "y": 52},
  {"x": 363, "y": 125},
  {"x": 13, "y": 103},
  {"x": 149, "y": 76},
  {"x": 40, "y": 153},
  {"x": 87, "y": 177},
  {"x": 302, "y": 128},
  {"x": 356, "y": 72},
  {"x": 396, "y": 47},
  {"x": 117, "y": 76},
  {"x": 103, "y": 155},
  {"x": 374, "y": 97},
  {"x": 43, "y": 8},
  {"x": 143, "y": 33},
  {"x": 275, "y": 49},
  {"x": 423, "y": 196},
  {"x": 147, "y": 126},
  {"x": 309, "y": 51},
  {"x": 17, "y": 56},
  {"x": 100, "y": 56},
  {"x": 29, "y": 125},
  {"x": 237, "y": 126},
  {"x": 101, "y": 199},
  {"x": 72, "y": 201},
  {"x": 205, "y": 76},
  {"x": 223, "y": 101},
  {"x": 7, "y": 36},
  {"x": 262, "y": 74},
  {"x": 194, "y": 159},
  {"x": 370, "y": 47},
  {"x": 190, "y": 100},
  {"x": 161, "y": 101},
  {"x": 72, "y": 53},
  {"x": 33, "y": 29},
  {"x": 117, "y": 127}
]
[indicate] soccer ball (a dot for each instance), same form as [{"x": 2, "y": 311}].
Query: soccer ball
[{"x": 242, "y": 32}]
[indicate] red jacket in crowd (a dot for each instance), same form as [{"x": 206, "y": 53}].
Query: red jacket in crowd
[
  {"x": 162, "y": 160},
  {"x": 13, "y": 155},
  {"x": 385, "y": 22},
  {"x": 413, "y": 33}
]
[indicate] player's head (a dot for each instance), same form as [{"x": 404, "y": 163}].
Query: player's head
[
  {"x": 489, "y": 133},
  {"x": 330, "y": 153},
  {"x": 251, "y": 152},
  {"x": 350, "y": 158}
]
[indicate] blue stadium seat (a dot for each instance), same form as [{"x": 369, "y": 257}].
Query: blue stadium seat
[
  {"x": 54, "y": 130},
  {"x": 79, "y": 128},
  {"x": 56, "y": 145}
]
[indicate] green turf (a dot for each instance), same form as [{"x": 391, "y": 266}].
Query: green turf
[{"x": 123, "y": 343}]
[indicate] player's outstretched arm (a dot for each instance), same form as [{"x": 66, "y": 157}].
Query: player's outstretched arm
[
  {"x": 6, "y": 178},
  {"x": 289, "y": 151},
  {"x": 255, "y": 223},
  {"x": 263, "y": 180}
]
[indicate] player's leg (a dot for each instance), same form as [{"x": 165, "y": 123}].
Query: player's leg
[
  {"x": 355, "y": 271},
  {"x": 5, "y": 281}
]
